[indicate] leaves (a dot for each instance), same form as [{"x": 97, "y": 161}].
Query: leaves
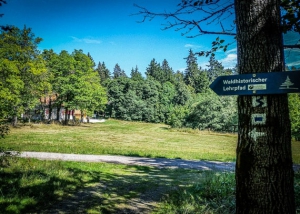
[
  {"x": 23, "y": 72},
  {"x": 291, "y": 15}
]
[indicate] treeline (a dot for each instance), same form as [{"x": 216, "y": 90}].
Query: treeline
[
  {"x": 73, "y": 81},
  {"x": 180, "y": 99}
]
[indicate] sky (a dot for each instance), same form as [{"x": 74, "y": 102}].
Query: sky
[{"x": 110, "y": 32}]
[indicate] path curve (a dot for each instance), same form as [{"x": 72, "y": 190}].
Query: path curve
[{"x": 140, "y": 161}]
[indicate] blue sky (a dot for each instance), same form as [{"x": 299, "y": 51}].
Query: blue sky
[{"x": 109, "y": 33}]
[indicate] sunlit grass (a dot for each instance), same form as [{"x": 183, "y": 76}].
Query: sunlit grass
[
  {"x": 128, "y": 138},
  {"x": 123, "y": 138},
  {"x": 31, "y": 186}
]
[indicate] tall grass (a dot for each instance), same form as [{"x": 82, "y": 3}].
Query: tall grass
[{"x": 214, "y": 193}]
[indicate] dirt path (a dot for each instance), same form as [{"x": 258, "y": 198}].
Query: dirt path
[{"x": 140, "y": 161}]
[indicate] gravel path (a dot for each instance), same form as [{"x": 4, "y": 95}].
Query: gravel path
[{"x": 140, "y": 161}]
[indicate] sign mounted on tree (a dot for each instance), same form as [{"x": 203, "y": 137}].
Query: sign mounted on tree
[{"x": 257, "y": 83}]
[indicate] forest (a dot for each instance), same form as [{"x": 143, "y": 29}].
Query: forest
[{"x": 181, "y": 99}]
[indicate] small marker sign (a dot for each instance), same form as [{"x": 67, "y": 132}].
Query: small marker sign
[{"x": 258, "y": 119}]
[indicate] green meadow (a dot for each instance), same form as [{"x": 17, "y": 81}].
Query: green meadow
[
  {"x": 34, "y": 186},
  {"x": 116, "y": 137}
]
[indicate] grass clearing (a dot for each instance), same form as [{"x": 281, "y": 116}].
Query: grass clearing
[
  {"x": 123, "y": 138},
  {"x": 128, "y": 138},
  {"x": 29, "y": 185}
]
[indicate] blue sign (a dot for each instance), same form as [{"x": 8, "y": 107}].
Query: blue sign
[{"x": 257, "y": 83}]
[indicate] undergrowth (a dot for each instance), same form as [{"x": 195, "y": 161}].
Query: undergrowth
[{"x": 214, "y": 194}]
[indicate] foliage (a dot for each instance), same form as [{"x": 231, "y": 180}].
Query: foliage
[
  {"x": 23, "y": 71},
  {"x": 172, "y": 98},
  {"x": 90, "y": 95},
  {"x": 103, "y": 72},
  {"x": 194, "y": 76},
  {"x": 294, "y": 104},
  {"x": 214, "y": 193},
  {"x": 216, "y": 69},
  {"x": 291, "y": 15},
  {"x": 135, "y": 74},
  {"x": 213, "y": 112},
  {"x": 75, "y": 82},
  {"x": 118, "y": 72},
  {"x": 4, "y": 130},
  {"x": 178, "y": 116}
]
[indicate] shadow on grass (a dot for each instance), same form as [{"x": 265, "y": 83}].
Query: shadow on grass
[
  {"x": 34, "y": 190},
  {"x": 73, "y": 189}
]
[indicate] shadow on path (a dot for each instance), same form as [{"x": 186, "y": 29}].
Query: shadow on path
[{"x": 140, "y": 161}]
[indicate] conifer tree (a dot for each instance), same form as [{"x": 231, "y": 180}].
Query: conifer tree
[
  {"x": 215, "y": 69},
  {"x": 118, "y": 72},
  {"x": 193, "y": 76},
  {"x": 191, "y": 70},
  {"x": 135, "y": 74},
  {"x": 154, "y": 70},
  {"x": 167, "y": 72},
  {"x": 103, "y": 72}
]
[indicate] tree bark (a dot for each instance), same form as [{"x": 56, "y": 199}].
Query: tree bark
[
  {"x": 264, "y": 173},
  {"x": 66, "y": 116},
  {"x": 14, "y": 119},
  {"x": 50, "y": 108}
]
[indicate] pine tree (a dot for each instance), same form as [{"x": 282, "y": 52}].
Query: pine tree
[
  {"x": 118, "y": 72},
  {"x": 91, "y": 58},
  {"x": 167, "y": 72},
  {"x": 154, "y": 70},
  {"x": 194, "y": 76},
  {"x": 191, "y": 70},
  {"x": 103, "y": 72},
  {"x": 215, "y": 69},
  {"x": 135, "y": 74}
]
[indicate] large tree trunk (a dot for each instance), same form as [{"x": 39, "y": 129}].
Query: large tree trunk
[{"x": 264, "y": 173}]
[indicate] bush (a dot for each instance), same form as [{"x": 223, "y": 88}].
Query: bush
[{"x": 4, "y": 130}]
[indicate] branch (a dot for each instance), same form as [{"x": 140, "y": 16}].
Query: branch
[
  {"x": 211, "y": 32},
  {"x": 213, "y": 13},
  {"x": 291, "y": 46}
]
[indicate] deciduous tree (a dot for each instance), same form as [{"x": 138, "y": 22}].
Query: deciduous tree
[{"x": 23, "y": 71}]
